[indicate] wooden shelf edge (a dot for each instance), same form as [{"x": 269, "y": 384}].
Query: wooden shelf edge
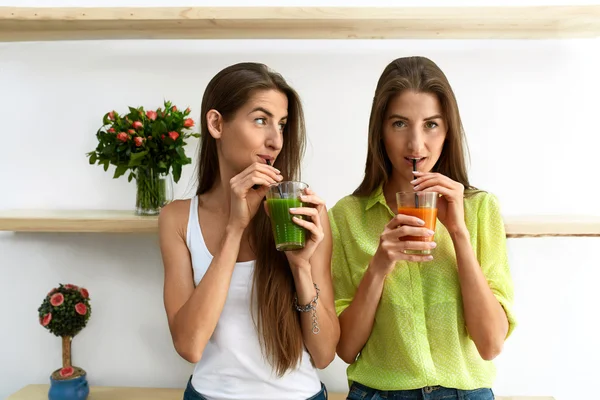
[
  {"x": 40, "y": 392},
  {"x": 84, "y": 221},
  {"x": 511, "y": 22},
  {"x": 125, "y": 221},
  {"x": 552, "y": 226}
]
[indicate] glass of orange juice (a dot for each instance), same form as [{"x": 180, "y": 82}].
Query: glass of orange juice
[{"x": 422, "y": 205}]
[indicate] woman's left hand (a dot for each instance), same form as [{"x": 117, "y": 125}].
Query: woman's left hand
[{"x": 450, "y": 205}]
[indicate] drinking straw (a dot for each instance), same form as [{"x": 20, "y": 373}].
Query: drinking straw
[
  {"x": 416, "y": 195},
  {"x": 278, "y": 187}
]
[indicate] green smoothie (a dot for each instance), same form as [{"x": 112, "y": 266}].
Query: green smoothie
[{"x": 288, "y": 235}]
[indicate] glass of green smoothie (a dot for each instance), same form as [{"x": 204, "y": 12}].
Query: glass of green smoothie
[{"x": 280, "y": 198}]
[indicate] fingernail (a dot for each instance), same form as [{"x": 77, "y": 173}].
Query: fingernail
[
  {"x": 429, "y": 258},
  {"x": 279, "y": 177},
  {"x": 416, "y": 187},
  {"x": 413, "y": 181},
  {"x": 293, "y": 209},
  {"x": 432, "y": 244},
  {"x": 431, "y": 233},
  {"x": 421, "y": 222}
]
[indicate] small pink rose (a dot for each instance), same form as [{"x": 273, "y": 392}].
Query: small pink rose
[
  {"x": 81, "y": 308},
  {"x": 187, "y": 110},
  {"x": 137, "y": 125},
  {"x": 162, "y": 137},
  {"x": 151, "y": 115},
  {"x": 66, "y": 372},
  {"x": 46, "y": 319},
  {"x": 57, "y": 299},
  {"x": 173, "y": 135},
  {"x": 84, "y": 292},
  {"x": 111, "y": 115},
  {"x": 138, "y": 141},
  {"x": 111, "y": 130},
  {"x": 123, "y": 137},
  {"x": 131, "y": 132},
  {"x": 71, "y": 286},
  {"x": 174, "y": 109},
  {"x": 188, "y": 122}
]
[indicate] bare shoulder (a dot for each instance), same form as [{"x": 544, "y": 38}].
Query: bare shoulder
[{"x": 174, "y": 216}]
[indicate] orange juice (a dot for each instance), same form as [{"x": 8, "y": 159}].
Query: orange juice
[{"x": 428, "y": 215}]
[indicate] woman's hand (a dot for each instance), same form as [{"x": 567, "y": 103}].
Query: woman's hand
[
  {"x": 313, "y": 226},
  {"x": 450, "y": 205},
  {"x": 392, "y": 249},
  {"x": 244, "y": 199}
]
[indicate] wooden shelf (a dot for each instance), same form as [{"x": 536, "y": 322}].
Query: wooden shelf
[
  {"x": 548, "y": 226},
  {"x": 531, "y": 22},
  {"x": 40, "y": 392},
  {"x": 123, "y": 221},
  {"x": 77, "y": 221}
]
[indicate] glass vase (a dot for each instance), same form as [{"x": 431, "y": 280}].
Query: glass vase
[{"x": 154, "y": 190}]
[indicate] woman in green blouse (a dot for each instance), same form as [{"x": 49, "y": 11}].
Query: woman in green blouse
[{"x": 419, "y": 326}]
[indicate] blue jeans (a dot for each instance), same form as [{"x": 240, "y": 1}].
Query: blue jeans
[
  {"x": 191, "y": 393},
  {"x": 362, "y": 392}
]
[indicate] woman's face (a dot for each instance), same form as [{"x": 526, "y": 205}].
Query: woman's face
[
  {"x": 414, "y": 128},
  {"x": 255, "y": 133}
]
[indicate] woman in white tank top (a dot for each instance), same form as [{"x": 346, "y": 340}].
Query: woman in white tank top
[{"x": 256, "y": 322}]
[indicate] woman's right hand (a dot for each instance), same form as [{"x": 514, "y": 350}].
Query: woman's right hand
[
  {"x": 391, "y": 248},
  {"x": 244, "y": 199}
]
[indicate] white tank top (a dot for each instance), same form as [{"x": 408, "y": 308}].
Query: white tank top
[{"x": 232, "y": 366}]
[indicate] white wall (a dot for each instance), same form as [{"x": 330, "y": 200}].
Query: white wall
[{"x": 530, "y": 110}]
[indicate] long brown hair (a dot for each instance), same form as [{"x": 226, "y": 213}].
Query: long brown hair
[
  {"x": 420, "y": 75},
  {"x": 277, "y": 323}
]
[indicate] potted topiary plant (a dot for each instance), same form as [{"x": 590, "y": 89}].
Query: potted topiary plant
[{"x": 65, "y": 312}]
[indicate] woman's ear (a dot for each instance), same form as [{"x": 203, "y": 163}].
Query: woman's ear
[{"x": 214, "y": 122}]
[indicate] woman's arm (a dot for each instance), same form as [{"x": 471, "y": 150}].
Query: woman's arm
[
  {"x": 356, "y": 321},
  {"x": 321, "y": 346},
  {"x": 486, "y": 320},
  {"x": 193, "y": 313}
]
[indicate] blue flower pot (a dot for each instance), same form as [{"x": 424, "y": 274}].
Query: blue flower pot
[{"x": 70, "y": 389}]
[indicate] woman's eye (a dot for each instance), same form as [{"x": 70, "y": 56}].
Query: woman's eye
[
  {"x": 431, "y": 125},
  {"x": 261, "y": 121},
  {"x": 282, "y": 126},
  {"x": 399, "y": 124}
]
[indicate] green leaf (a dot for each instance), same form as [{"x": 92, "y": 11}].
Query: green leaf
[
  {"x": 162, "y": 165},
  {"x": 181, "y": 152},
  {"x": 121, "y": 169},
  {"x": 108, "y": 150},
  {"x": 130, "y": 177},
  {"x": 93, "y": 158},
  {"x": 158, "y": 129},
  {"x": 176, "y": 172},
  {"x": 106, "y": 162},
  {"x": 141, "y": 154}
]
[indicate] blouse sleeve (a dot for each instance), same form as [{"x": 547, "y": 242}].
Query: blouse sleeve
[
  {"x": 344, "y": 289},
  {"x": 493, "y": 257}
]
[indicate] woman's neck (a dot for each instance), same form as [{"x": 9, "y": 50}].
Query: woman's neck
[{"x": 218, "y": 198}]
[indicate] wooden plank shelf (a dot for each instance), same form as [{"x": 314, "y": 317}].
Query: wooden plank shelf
[
  {"x": 40, "y": 392},
  {"x": 124, "y": 221},
  {"x": 510, "y": 22},
  {"x": 101, "y": 221}
]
